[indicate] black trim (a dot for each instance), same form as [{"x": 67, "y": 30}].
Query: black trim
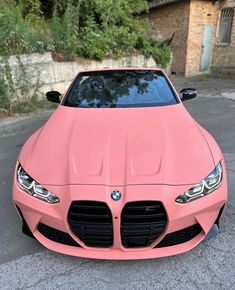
[
  {"x": 180, "y": 237},
  {"x": 219, "y": 215},
  {"x": 25, "y": 228},
  {"x": 142, "y": 222},
  {"x": 57, "y": 235},
  {"x": 91, "y": 222}
]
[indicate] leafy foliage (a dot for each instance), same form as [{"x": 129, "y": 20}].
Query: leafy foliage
[
  {"x": 29, "y": 7},
  {"x": 107, "y": 27},
  {"x": 160, "y": 51},
  {"x": 89, "y": 28},
  {"x": 22, "y": 81},
  {"x": 18, "y": 35},
  {"x": 64, "y": 29},
  {"x": 4, "y": 95}
]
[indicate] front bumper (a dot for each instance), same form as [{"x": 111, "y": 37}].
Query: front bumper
[{"x": 202, "y": 212}]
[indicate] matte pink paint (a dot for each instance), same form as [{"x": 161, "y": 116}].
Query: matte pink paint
[{"x": 151, "y": 153}]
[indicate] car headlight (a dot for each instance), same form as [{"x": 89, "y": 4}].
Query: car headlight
[
  {"x": 207, "y": 185},
  {"x": 34, "y": 188}
]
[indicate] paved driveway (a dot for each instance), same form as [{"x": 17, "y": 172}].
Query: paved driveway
[{"x": 24, "y": 263}]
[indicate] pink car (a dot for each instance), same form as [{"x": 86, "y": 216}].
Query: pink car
[{"x": 120, "y": 170}]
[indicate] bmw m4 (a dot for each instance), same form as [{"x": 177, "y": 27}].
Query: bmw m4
[{"x": 120, "y": 170}]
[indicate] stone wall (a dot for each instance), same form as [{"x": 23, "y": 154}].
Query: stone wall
[
  {"x": 224, "y": 54},
  {"x": 169, "y": 20},
  {"x": 201, "y": 13},
  {"x": 186, "y": 19},
  {"x": 58, "y": 75}
]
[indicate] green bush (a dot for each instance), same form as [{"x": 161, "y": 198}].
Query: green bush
[
  {"x": 18, "y": 91},
  {"x": 90, "y": 28},
  {"x": 18, "y": 35},
  {"x": 93, "y": 29},
  {"x": 4, "y": 96},
  {"x": 99, "y": 28},
  {"x": 64, "y": 29},
  {"x": 94, "y": 43},
  {"x": 162, "y": 55}
]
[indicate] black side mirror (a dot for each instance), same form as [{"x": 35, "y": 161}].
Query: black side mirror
[
  {"x": 53, "y": 96},
  {"x": 188, "y": 94}
]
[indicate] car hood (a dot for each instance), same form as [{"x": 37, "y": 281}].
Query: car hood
[{"x": 117, "y": 147}]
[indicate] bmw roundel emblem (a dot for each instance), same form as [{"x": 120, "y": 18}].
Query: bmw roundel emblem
[{"x": 116, "y": 195}]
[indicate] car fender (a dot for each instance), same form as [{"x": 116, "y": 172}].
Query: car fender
[
  {"x": 212, "y": 144},
  {"x": 26, "y": 149}
]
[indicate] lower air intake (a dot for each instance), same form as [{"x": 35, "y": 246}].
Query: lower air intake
[
  {"x": 57, "y": 235},
  {"x": 180, "y": 237}
]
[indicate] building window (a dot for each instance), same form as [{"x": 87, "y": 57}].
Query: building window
[{"x": 226, "y": 22}]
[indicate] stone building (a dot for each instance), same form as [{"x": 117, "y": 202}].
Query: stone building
[
  {"x": 202, "y": 32},
  {"x": 224, "y": 45}
]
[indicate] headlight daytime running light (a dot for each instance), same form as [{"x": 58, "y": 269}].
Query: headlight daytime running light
[
  {"x": 206, "y": 186},
  {"x": 33, "y": 188}
]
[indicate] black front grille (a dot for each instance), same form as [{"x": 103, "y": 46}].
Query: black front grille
[
  {"x": 91, "y": 222},
  {"x": 56, "y": 235},
  {"x": 142, "y": 222},
  {"x": 180, "y": 237}
]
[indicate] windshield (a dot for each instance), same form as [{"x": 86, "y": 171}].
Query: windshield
[{"x": 120, "y": 89}]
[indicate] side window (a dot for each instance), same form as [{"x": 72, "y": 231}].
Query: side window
[{"x": 226, "y": 22}]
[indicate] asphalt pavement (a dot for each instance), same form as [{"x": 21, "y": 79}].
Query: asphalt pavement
[{"x": 25, "y": 264}]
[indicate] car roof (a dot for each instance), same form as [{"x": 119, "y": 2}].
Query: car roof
[{"x": 120, "y": 69}]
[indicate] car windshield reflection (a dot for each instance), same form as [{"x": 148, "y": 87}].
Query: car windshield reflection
[{"x": 120, "y": 89}]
